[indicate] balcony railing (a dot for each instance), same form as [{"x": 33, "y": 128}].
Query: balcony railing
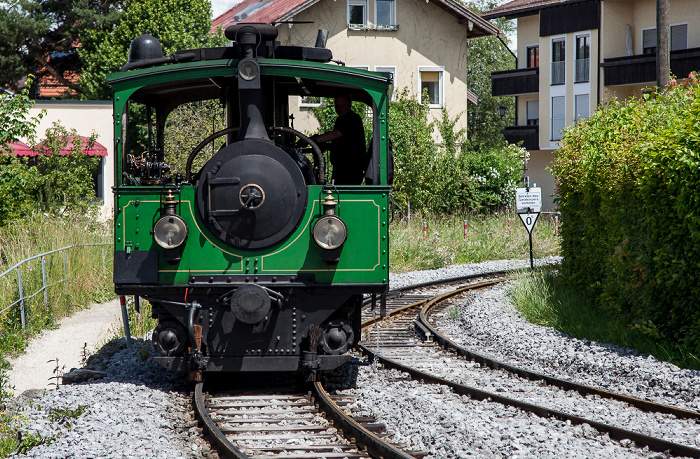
[
  {"x": 582, "y": 70},
  {"x": 528, "y": 135},
  {"x": 558, "y": 72},
  {"x": 515, "y": 82},
  {"x": 642, "y": 67}
]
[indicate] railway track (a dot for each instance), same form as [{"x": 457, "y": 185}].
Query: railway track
[
  {"x": 292, "y": 425},
  {"x": 394, "y": 341}
]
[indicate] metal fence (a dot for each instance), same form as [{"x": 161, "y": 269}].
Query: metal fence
[{"x": 22, "y": 297}]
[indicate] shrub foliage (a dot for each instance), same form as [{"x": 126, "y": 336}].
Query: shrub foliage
[
  {"x": 440, "y": 178},
  {"x": 629, "y": 187}
]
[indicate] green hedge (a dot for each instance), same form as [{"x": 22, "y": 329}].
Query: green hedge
[{"x": 629, "y": 194}]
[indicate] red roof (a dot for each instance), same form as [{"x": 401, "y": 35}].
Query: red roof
[
  {"x": 276, "y": 11},
  {"x": 21, "y": 149},
  {"x": 521, "y": 8}
]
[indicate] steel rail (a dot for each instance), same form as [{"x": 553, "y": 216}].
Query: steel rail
[
  {"x": 374, "y": 445},
  {"x": 653, "y": 443},
  {"x": 210, "y": 426}
]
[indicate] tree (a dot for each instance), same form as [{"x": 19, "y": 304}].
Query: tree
[
  {"x": 16, "y": 180},
  {"x": 42, "y": 37},
  {"x": 177, "y": 24},
  {"x": 486, "y": 55}
]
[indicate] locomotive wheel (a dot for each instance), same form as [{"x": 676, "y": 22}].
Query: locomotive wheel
[{"x": 319, "y": 163}]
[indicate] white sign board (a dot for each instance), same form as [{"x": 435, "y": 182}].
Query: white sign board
[
  {"x": 529, "y": 220},
  {"x": 528, "y": 199}
]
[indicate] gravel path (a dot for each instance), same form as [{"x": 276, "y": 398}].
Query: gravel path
[{"x": 81, "y": 332}]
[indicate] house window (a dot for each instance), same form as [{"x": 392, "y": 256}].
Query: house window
[
  {"x": 679, "y": 37},
  {"x": 431, "y": 81},
  {"x": 533, "y": 56},
  {"x": 581, "y": 106},
  {"x": 392, "y": 70},
  {"x": 649, "y": 41},
  {"x": 583, "y": 58},
  {"x": 385, "y": 13},
  {"x": 558, "y": 61},
  {"x": 533, "y": 112},
  {"x": 309, "y": 101},
  {"x": 558, "y": 117},
  {"x": 357, "y": 13}
]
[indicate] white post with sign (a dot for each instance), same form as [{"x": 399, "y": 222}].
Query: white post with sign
[{"x": 528, "y": 202}]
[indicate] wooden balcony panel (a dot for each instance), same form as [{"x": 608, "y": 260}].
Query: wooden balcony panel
[
  {"x": 515, "y": 82},
  {"x": 529, "y": 135},
  {"x": 642, "y": 68}
]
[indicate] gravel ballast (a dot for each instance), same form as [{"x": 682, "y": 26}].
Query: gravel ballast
[{"x": 140, "y": 410}]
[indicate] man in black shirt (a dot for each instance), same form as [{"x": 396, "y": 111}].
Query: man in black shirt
[{"x": 347, "y": 144}]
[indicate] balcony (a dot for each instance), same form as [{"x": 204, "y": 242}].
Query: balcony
[
  {"x": 529, "y": 135},
  {"x": 642, "y": 68},
  {"x": 515, "y": 82}
]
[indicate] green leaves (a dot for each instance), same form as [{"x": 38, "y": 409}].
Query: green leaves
[{"x": 629, "y": 180}]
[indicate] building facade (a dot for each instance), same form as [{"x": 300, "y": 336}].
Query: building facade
[
  {"x": 573, "y": 55},
  {"x": 421, "y": 43}
]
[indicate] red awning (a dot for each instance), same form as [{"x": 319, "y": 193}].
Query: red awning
[
  {"x": 18, "y": 148},
  {"x": 97, "y": 148}
]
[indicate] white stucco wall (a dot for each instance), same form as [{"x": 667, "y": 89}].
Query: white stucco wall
[
  {"x": 86, "y": 117},
  {"x": 428, "y": 36}
]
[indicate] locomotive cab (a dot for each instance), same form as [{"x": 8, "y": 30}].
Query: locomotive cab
[{"x": 226, "y": 219}]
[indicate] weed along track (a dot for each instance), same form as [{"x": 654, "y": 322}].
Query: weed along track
[{"x": 407, "y": 340}]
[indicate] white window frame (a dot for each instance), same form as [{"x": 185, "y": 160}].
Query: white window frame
[
  {"x": 393, "y": 14},
  {"x": 441, "y": 84},
  {"x": 303, "y": 104},
  {"x": 365, "y": 6},
  {"x": 641, "y": 39},
  {"x": 555, "y": 136},
  {"x": 552, "y": 61},
  {"x": 576, "y": 59},
  {"x": 389, "y": 69}
]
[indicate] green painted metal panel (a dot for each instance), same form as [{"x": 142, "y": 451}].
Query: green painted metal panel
[{"x": 364, "y": 257}]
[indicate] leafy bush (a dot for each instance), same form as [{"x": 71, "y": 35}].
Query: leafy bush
[
  {"x": 629, "y": 186},
  {"x": 449, "y": 177}
]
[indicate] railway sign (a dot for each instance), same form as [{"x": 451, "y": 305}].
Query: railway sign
[
  {"x": 528, "y": 199},
  {"x": 529, "y": 220}
]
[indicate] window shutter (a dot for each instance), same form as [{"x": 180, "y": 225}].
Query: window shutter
[
  {"x": 649, "y": 38},
  {"x": 582, "y": 106},
  {"x": 679, "y": 37},
  {"x": 533, "y": 109}
]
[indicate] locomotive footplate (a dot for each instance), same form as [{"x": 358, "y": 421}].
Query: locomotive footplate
[{"x": 252, "y": 363}]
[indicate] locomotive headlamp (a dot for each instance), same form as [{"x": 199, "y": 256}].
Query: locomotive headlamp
[
  {"x": 248, "y": 69},
  {"x": 330, "y": 232},
  {"x": 170, "y": 231}
]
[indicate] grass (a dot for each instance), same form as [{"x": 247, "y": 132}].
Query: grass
[
  {"x": 544, "y": 299},
  {"x": 489, "y": 237},
  {"x": 87, "y": 272}
]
